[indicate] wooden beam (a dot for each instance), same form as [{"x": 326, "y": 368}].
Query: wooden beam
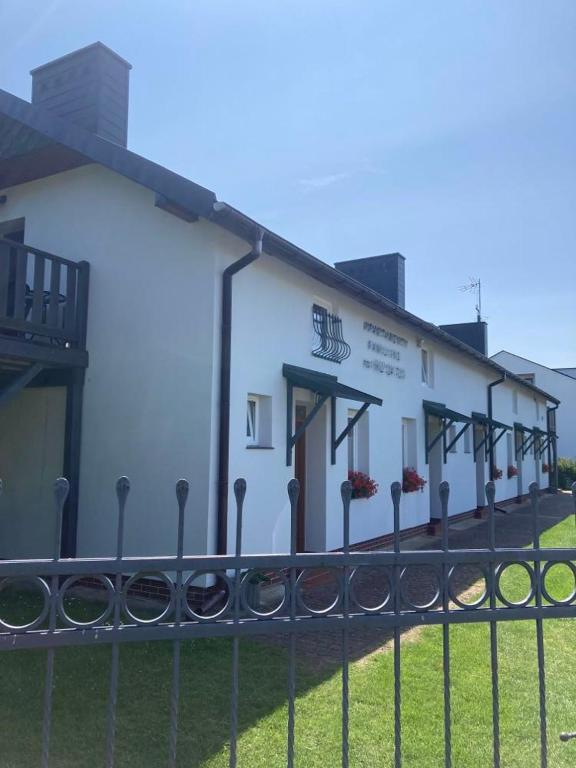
[{"x": 38, "y": 353}]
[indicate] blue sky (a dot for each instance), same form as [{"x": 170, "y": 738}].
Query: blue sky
[{"x": 444, "y": 130}]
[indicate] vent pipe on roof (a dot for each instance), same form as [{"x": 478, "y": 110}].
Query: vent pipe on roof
[{"x": 88, "y": 87}]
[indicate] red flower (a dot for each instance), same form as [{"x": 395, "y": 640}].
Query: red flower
[
  {"x": 363, "y": 487},
  {"x": 496, "y": 473},
  {"x": 512, "y": 471},
  {"x": 411, "y": 480},
  {"x": 545, "y": 468}
]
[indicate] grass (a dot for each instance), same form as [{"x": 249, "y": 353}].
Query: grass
[{"x": 80, "y": 695}]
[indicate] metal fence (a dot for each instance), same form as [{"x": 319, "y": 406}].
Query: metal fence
[{"x": 235, "y": 616}]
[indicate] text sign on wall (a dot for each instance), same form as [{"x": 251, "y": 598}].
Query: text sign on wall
[{"x": 383, "y": 357}]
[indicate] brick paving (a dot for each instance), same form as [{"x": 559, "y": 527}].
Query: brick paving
[{"x": 513, "y": 529}]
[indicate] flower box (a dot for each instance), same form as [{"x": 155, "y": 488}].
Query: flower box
[
  {"x": 496, "y": 473},
  {"x": 411, "y": 480},
  {"x": 363, "y": 487},
  {"x": 512, "y": 471}
]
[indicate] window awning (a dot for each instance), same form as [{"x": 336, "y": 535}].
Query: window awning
[
  {"x": 325, "y": 386},
  {"x": 481, "y": 418},
  {"x": 440, "y": 411},
  {"x": 448, "y": 417}
]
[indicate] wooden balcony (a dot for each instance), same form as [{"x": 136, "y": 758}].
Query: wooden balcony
[{"x": 43, "y": 308}]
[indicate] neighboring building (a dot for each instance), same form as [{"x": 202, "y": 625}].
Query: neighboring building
[
  {"x": 561, "y": 382},
  {"x": 173, "y": 336}
]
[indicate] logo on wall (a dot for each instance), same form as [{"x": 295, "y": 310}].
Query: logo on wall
[{"x": 384, "y": 356}]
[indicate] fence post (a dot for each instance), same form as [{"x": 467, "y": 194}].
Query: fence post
[
  {"x": 239, "y": 495},
  {"x": 396, "y": 493},
  {"x": 535, "y": 502},
  {"x": 293, "y": 493},
  {"x": 491, "y": 586},
  {"x": 444, "y": 491},
  {"x": 61, "y": 490},
  {"x": 182, "y": 490},
  {"x": 122, "y": 491},
  {"x": 346, "y": 493}
]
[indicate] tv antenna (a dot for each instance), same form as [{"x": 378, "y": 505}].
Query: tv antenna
[{"x": 474, "y": 285}]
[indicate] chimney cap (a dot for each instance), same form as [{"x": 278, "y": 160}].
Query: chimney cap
[{"x": 93, "y": 46}]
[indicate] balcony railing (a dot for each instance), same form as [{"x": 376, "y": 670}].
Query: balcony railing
[
  {"x": 43, "y": 298},
  {"x": 328, "y": 342}
]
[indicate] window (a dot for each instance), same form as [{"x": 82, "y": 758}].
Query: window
[
  {"x": 468, "y": 439},
  {"x": 258, "y": 421},
  {"x": 409, "y": 458},
  {"x": 352, "y": 444},
  {"x": 252, "y": 421},
  {"x": 359, "y": 443},
  {"x": 427, "y": 373},
  {"x": 451, "y": 437},
  {"x": 514, "y": 401},
  {"x": 509, "y": 449}
]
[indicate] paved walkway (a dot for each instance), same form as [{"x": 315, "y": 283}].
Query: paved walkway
[{"x": 513, "y": 529}]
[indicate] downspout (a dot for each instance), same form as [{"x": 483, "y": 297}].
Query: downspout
[
  {"x": 224, "y": 415},
  {"x": 490, "y": 442},
  {"x": 552, "y": 454}
]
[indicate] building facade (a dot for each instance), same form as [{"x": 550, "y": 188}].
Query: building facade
[
  {"x": 149, "y": 330},
  {"x": 560, "y": 382}
]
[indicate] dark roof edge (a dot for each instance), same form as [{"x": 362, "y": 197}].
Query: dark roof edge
[
  {"x": 243, "y": 226},
  {"x": 113, "y": 156}
]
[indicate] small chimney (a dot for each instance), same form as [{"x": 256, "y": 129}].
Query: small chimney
[
  {"x": 88, "y": 87},
  {"x": 473, "y": 334},
  {"x": 383, "y": 274}
]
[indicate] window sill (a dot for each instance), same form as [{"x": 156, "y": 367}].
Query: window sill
[{"x": 260, "y": 447}]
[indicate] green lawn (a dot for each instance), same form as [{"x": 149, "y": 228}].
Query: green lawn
[{"x": 143, "y": 715}]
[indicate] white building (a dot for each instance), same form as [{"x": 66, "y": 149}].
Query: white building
[
  {"x": 561, "y": 382},
  {"x": 173, "y": 336}
]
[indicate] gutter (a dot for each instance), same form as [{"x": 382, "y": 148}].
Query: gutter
[
  {"x": 224, "y": 411},
  {"x": 490, "y": 442}
]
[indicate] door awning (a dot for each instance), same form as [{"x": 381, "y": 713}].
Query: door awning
[
  {"x": 325, "y": 386},
  {"x": 481, "y": 418}
]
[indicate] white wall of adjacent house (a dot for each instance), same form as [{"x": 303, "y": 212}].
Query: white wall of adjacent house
[
  {"x": 561, "y": 385},
  {"x": 31, "y": 458},
  {"x": 273, "y": 325},
  {"x": 151, "y": 385}
]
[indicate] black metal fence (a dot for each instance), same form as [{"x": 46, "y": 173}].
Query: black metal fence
[{"x": 234, "y": 614}]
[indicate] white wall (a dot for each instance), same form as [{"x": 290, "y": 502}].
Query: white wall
[
  {"x": 272, "y": 326},
  {"x": 31, "y": 458},
  {"x": 558, "y": 384},
  {"x": 151, "y": 384}
]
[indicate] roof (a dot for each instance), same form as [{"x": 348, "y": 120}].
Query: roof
[{"x": 35, "y": 143}]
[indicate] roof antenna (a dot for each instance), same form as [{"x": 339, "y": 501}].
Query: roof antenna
[{"x": 475, "y": 285}]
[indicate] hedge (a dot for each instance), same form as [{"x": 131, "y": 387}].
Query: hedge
[{"x": 566, "y": 473}]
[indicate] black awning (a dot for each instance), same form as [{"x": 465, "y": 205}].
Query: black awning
[
  {"x": 481, "y": 418},
  {"x": 324, "y": 384},
  {"x": 521, "y": 428},
  {"x": 440, "y": 410}
]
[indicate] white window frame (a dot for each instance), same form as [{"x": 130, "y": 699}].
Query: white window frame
[
  {"x": 252, "y": 419},
  {"x": 426, "y": 369},
  {"x": 352, "y": 443}
]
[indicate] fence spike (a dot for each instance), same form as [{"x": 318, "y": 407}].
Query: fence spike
[
  {"x": 122, "y": 491},
  {"x": 240, "y": 495},
  {"x": 346, "y": 494},
  {"x": 182, "y": 490},
  {"x": 293, "y": 494},
  {"x": 490, "y": 489},
  {"x": 61, "y": 491}
]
